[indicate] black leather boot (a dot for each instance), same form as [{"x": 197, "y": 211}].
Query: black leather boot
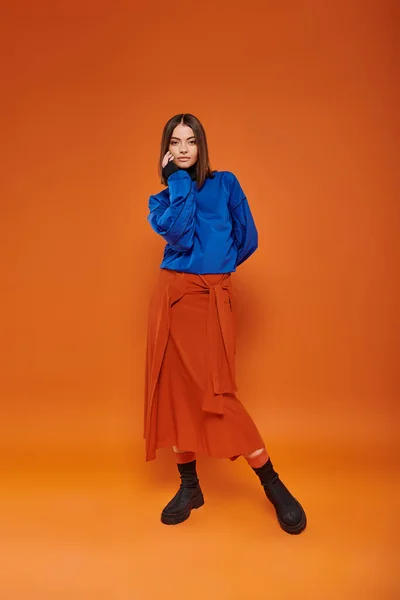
[
  {"x": 289, "y": 511},
  {"x": 189, "y": 496}
]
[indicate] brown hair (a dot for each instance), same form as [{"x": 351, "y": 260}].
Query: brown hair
[{"x": 203, "y": 168}]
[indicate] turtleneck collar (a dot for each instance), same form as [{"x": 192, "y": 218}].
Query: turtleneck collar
[{"x": 192, "y": 171}]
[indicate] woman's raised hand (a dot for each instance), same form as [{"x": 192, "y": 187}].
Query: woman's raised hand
[{"x": 167, "y": 158}]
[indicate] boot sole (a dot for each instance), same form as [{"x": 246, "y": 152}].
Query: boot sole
[
  {"x": 295, "y": 529},
  {"x": 196, "y": 502}
]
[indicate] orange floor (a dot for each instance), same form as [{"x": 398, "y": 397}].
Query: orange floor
[{"x": 89, "y": 528}]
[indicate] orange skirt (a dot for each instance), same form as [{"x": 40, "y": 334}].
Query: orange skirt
[{"x": 190, "y": 397}]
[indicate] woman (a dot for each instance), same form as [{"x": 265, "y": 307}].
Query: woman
[{"x": 191, "y": 401}]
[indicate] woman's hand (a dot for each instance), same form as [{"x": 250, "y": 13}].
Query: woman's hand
[{"x": 167, "y": 158}]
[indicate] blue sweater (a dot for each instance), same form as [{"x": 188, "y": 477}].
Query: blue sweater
[{"x": 207, "y": 230}]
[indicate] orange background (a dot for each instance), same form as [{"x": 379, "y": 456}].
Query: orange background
[{"x": 300, "y": 100}]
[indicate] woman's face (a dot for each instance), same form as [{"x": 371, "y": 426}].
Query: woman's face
[{"x": 183, "y": 146}]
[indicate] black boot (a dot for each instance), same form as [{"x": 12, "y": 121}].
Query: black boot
[
  {"x": 289, "y": 511},
  {"x": 189, "y": 496}
]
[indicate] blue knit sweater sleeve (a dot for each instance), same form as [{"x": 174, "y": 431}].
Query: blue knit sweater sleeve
[
  {"x": 244, "y": 229},
  {"x": 173, "y": 217}
]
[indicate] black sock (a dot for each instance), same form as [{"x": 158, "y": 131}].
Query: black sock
[
  {"x": 188, "y": 474},
  {"x": 266, "y": 473}
]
